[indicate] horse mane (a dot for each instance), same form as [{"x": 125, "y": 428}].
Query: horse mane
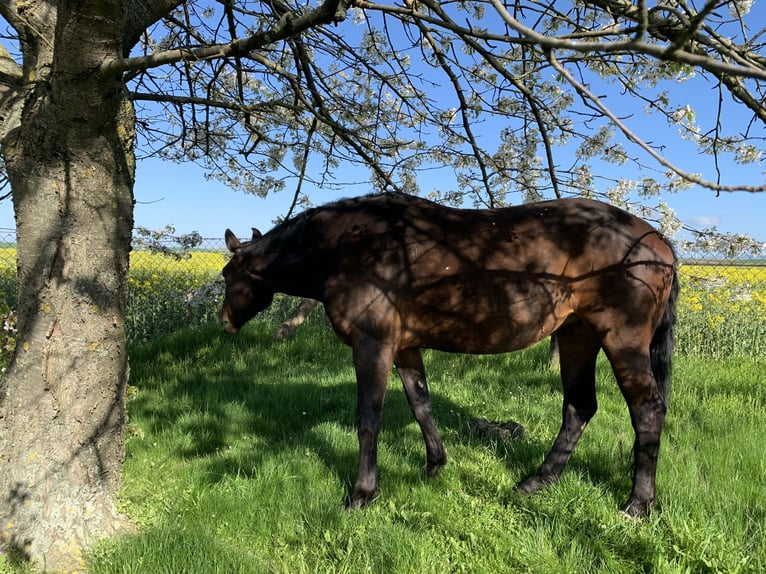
[
  {"x": 292, "y": 229},
  {"x": 286, "y": 231}
]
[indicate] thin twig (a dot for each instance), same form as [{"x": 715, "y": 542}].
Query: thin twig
[{"x": 691, "y": 177}]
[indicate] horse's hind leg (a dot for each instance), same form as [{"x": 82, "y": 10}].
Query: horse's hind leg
[
  {"x": 409, "y": 365},
  {"x": 632, "y": 368},
  {"x": 578, "y": 348}
]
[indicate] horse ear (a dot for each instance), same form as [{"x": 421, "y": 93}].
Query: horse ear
[
  {"x": 256, "y": 234},
  {"x": 232, "y": 243}
]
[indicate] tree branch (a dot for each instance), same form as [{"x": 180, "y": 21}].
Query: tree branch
[
  {"x": 140, "y": 15},
  {"x": 11, "y": 15},
  {"x": 303, "y": 166},
  {"x": 517, "y": 82},
  {"x": 289, "y": 25},
  {"x": 634, "y": 45},
  {"x": 681, "y": 34},
  {"x": 317, "y": 107},
  {"x": 459, "y": 93},
  {"x": 692, "y": 177}
]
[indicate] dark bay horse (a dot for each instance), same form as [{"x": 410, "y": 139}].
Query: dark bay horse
[{"x": 398, "y": 273}]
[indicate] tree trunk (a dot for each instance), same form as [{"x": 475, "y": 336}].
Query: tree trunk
[{"x": 62, "y": 410}]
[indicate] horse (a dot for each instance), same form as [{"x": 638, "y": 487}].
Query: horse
[{"x": 398, "y": 273}]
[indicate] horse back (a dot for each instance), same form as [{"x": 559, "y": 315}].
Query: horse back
[{"x": 486, "y": 280}]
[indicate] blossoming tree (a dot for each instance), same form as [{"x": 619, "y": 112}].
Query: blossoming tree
[{"x": 259, "y": 91}]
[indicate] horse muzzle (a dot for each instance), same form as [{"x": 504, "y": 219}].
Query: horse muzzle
[{"x": 226, "y": 323}]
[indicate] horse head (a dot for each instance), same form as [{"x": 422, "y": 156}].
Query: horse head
[{"x": 247, "y": 292}]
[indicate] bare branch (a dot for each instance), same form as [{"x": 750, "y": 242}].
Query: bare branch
[
  {"x": 692, "y": 177},
  {"x": 464, "y": 107},
  {"x": 141, "y": 14},
  {"x": 633, "y": 44},
  {"x": 518, "y": 83},
  {"x": 304, "y": 165},
  {"x": 11, "y": 15},
  {"x": 289, "y": 25}
]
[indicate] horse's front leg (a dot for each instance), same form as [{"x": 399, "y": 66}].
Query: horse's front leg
[
  {"x": 372, "y": 361},
  {"x": 409, "y": 365}
]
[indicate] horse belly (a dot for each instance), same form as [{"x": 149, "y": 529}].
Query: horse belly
[{"x": 484, "y": 315}]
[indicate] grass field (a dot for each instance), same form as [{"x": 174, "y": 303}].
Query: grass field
[{"x": 242, "y": 450}]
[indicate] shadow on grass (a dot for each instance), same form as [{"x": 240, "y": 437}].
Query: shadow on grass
[{"x": 269, "y": 396}]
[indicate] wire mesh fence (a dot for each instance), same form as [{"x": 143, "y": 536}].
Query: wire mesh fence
[{"x": 722, "y": 309}]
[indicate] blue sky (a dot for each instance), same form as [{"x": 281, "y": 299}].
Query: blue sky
[{"x": 180, "y": 195}]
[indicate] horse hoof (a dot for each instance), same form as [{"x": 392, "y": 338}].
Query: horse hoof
[
  {"x": 357, "y": 501},
  {"x": 635, "y": 510},
  {"x": 534, "y": 483},
  {"x": 434, "y": 468}
]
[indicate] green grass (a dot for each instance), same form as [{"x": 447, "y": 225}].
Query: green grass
[{"x": 241, "y": 451}]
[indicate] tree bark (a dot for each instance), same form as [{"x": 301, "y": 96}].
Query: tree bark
[{"x": 62, "y": 410}]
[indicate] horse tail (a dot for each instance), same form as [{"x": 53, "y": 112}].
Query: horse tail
[{"x": 661, "y": 347}]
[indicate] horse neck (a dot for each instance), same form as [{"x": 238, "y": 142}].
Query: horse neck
[
  {"x": 297, "y": 268},
  {"x": 298, "y": 281}
]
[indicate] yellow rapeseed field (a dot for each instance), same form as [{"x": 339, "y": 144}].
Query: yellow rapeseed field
[
  {"x": 7, "y": 260},
  {"x": 722, "y": 308},
  {"x": 197, "y": 263},
  {"x": 165, "y": 293},
  {"x": 151, "y": 273},
  {"x": 738, "y": 289}
]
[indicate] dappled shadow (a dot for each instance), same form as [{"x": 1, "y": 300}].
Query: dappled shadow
[
  {"x": 397, "y": 274},
  {"x": 244, "y": 372}
]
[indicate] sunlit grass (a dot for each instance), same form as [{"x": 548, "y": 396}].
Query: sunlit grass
[{"x": 243, "y": 449}]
